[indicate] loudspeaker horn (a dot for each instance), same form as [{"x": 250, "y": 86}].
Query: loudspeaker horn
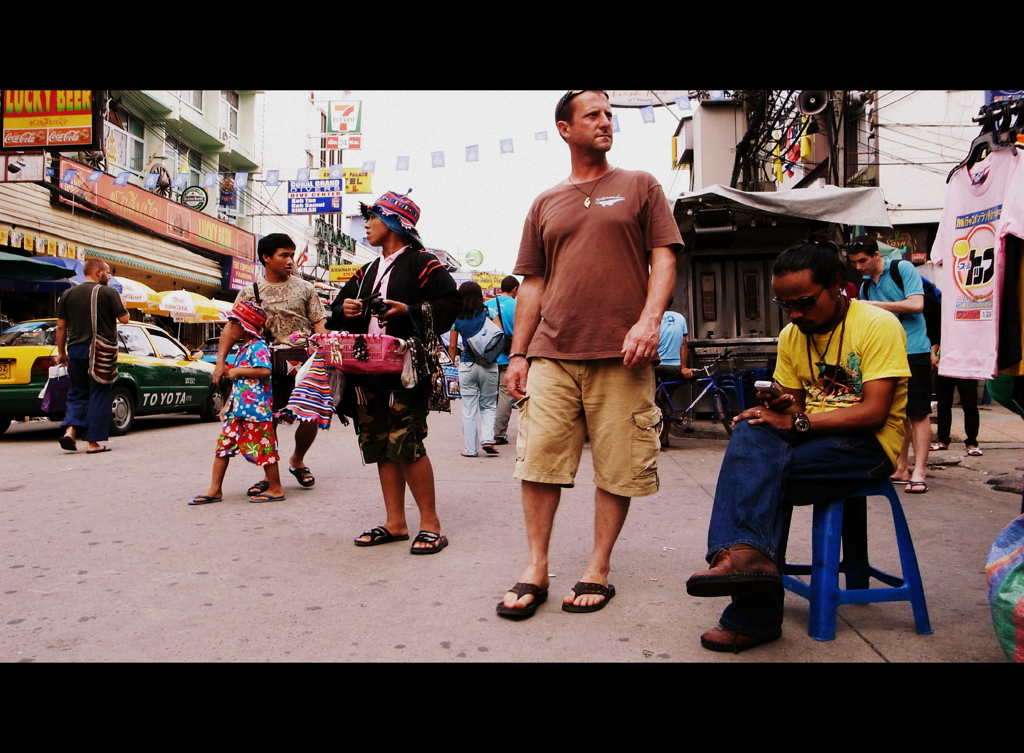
[{"x": 812, "y": 101}]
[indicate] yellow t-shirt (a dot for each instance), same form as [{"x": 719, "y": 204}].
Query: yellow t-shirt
[{"x": 874, "y": 346}]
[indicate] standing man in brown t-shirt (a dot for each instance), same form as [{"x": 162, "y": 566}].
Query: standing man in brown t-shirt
[{"x": 598, "y": 260}]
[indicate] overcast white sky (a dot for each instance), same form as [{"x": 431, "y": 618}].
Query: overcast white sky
[{"x": 482, "y": 205}]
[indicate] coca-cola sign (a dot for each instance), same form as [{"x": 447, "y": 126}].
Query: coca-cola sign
[
  {"x": 21, "y": 139},
  {"x": 65, "y": 119},
  {"x": 69, "y": 135}
]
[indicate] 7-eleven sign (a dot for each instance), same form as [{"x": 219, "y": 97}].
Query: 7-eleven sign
[{"x": 344, "y": 117}]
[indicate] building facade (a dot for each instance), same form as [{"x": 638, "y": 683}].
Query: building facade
[{"x": 165, "y": 199}]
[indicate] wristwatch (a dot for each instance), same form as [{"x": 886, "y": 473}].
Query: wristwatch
[{"x": 801, "y": 424}]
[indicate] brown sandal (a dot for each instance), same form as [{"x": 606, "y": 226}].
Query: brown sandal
[{"x": 540, "y": 595}]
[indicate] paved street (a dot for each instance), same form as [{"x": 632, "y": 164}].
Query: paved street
[{"x": 103, "y": 560}]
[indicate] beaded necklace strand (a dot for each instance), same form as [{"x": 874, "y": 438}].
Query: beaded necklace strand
[{"x": 822, "y": 364}]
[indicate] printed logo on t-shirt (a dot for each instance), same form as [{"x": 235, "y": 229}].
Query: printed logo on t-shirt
[
  {"x": 835, "y": 385},
  {"x": 974, "y": 254},
  {"x": 607, "y": 201}
]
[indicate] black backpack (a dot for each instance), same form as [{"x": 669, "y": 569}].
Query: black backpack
[{"x": 932, "y": 301}]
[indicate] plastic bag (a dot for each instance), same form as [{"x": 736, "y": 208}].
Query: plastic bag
[
  {"x": 55, "y": 392},
  {"x": 1005, "y": 573}
]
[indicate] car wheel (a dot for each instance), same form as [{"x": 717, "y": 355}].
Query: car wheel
[
  {"x": 4, "y": 423},
  {"x": 214, "y": 402},
  {"x": 122, "y": 412}
]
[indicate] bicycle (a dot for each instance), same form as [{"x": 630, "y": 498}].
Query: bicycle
[{"x": 722, "y": 408}]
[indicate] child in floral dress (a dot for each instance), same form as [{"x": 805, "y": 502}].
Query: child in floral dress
[{"x": 248, "y": 417}]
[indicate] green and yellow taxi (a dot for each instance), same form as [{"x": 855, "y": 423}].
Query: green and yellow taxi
[{"x": 155, "y": 374}]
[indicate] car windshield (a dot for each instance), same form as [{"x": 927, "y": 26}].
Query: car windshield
[
  {"x": 169, "y": 348},
  {"x": 31, "y": 333},
  {"x": 134, "y": 341}
]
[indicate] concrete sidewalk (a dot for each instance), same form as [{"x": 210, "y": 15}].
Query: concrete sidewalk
[{"x": 103, "y": 560}]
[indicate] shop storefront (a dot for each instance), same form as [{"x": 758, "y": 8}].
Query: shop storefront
[{"x": 141, "y": 235}]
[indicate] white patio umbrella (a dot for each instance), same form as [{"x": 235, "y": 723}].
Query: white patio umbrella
[
  {"x": 183, "y": 303},
  {"x": 136, "y": 295}
]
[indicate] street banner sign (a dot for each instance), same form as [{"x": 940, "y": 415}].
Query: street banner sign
[
  {"x": 315, "y": 196},
  {"x": 343, "y": 272}
]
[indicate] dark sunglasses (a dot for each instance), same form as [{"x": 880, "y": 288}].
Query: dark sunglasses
[
  {"x": 567, "y": 98},
  {"x": 803, "y": 303}
]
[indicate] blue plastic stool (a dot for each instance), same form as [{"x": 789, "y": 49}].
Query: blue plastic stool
[{"x": 846, "y": 520}]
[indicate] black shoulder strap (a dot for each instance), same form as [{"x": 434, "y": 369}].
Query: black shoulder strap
[
  {"x": 373, "y": 267},
  {"x": 256, "y": 293},
  {"x": 894, "y": 272}
]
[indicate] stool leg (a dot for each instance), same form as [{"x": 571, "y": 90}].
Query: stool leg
[
  {"x": 824, "y": 593},
  {"x": 908, "y": 564},
  {"x": 855, "y": 543}
]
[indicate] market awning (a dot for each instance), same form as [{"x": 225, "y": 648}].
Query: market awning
[
  {"x": 14, "y": 267},
  {"x": 76, "y": 267},
  {"x": 844, "y": 206}
]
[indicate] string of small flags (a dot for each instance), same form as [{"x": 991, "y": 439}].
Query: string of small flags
[{"x": 272, "y": 177}]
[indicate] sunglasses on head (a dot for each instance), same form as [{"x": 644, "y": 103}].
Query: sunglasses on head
[
  {"x": 568, "y": 96},
  {"x": 860, "y": 247},
  {"x": 803, "y": 303}
]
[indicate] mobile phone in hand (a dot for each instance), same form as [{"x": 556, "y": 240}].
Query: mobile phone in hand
[{"x": 769, "y": 387}]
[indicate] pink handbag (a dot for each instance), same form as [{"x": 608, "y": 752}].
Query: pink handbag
[{"x": 362, "y": 354}]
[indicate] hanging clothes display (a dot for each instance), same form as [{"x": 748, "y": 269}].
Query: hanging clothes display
[{"x": 984, "y": 207}]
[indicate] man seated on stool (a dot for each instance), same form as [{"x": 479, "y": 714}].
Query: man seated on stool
[{"x": 836, "y": 427}]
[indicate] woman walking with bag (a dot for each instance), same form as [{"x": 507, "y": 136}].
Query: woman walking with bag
[
  {"x": 478, "y": 378},
  {"x": 396, "y": 295}
]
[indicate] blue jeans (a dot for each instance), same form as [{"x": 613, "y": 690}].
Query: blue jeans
[
  {"x": 88, "y": 408},
  {"x": 478, "y": 385},
  {"x": 764, "y": 474}
]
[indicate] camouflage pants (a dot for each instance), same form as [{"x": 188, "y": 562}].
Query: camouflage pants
[{"x": 392, "y": 426}]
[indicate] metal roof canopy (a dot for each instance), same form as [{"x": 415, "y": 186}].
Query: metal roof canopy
[{"x": 831, "y": 204}]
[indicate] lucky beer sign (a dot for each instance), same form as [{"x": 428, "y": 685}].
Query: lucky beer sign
[{"x": 63, "y": 119}]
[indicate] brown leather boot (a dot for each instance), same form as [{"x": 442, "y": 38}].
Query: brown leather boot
[
  {"x": 719, "y": 638},
  {"x": 740, "y": 569}
]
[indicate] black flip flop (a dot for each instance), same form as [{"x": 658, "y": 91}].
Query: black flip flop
[
  {"x": 379, "y": 535},
  {"x": 258, "y": 488},
  {"x": 590, "y": 588},
  {"x": 540, "y": 595},
  {"x": 437, "y": 543},
  {"x": 304, "y": 476}
]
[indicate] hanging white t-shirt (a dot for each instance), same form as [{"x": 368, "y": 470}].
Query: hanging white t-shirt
[{"x": 983, "y": 204}]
